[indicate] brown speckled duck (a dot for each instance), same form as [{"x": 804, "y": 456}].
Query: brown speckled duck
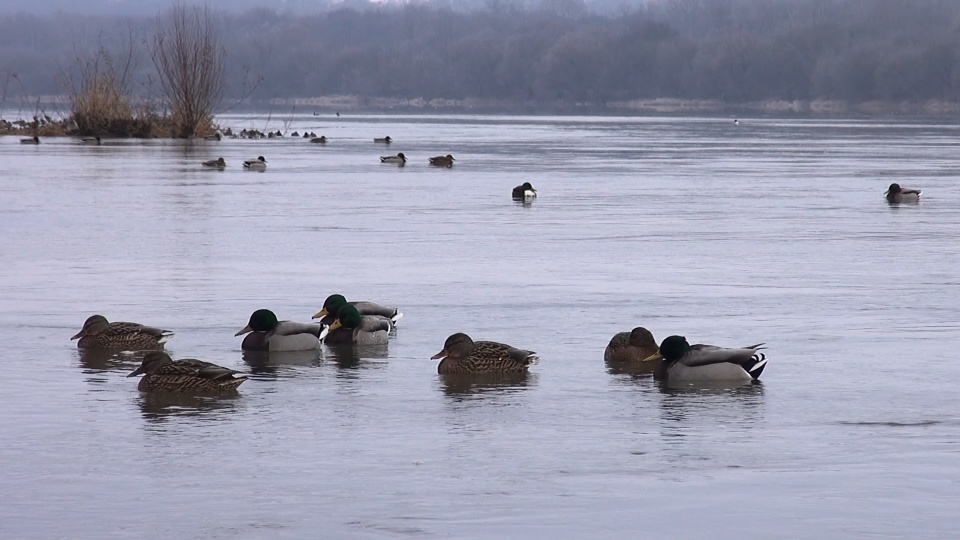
[
  {"x": 98, "y": 333},
  {"x": 630, "y": 347},
  {"x": 461, "y": 354},
  {"x": 163, "y": 374},
  {"x": 442, "y": 161}
]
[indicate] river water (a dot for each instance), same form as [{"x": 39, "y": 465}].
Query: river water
[{"x": 772, "y": 231}]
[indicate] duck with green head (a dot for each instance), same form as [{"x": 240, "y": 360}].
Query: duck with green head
[
  {"x": 98, "y": 333},
  {"x": 334, "y": 302},
  {"x": 684, "y": 363},
  {"x": 897, "y": 194},
  {"x": 524, "y": 192},
  {"x": 351, "y": 328},
  {"x": 161, "y": 373},
  {"x": 630, "y": 347},
  {"x": 461, "y": 354},
  {"x": 266, "y": 333}
]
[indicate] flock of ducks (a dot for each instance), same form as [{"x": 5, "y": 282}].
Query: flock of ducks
[{"x": 343, "y": 323}]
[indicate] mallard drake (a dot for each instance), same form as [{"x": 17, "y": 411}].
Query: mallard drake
[
  {"x": 399, "y": 159},
  {"x": 350, "y": 327},
  {"x": 633, "y": 346},
  {"x": 161, "y": 373},
  {"x": 682, "y": 362},
  {"x": 442, "y": 161},
  {"x": 333, "y": 303},
  {"x": 461, "y": 354},
  {"x": 92, "y": 141},
  {"x": 98, "y": 333},
  {"x": 218, "y": 163},
  {"x": 269, "y": 334},
  {"x": 524, "y": 191},
  {"x": 383, "y": 140},
  {"x": 32, "y": 140},
  {"x": 897, "y": 194},
  {"x": 319, "y": 140},
  {"x": 258, "y": 164}
]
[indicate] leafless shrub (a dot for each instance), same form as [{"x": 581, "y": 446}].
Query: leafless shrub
[
  {"x": 190, "y": 61},
  {"x": 99, "y": 89}
]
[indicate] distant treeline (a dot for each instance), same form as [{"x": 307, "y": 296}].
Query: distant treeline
[{"x": 731, "y": 50}]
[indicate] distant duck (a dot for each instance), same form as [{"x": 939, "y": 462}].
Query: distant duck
[
  {"x": 218, "y": 163},
  {"x": 296, "y": 134},
  {"x": 384, "y": 140},
  {"x": 333, "y": 303},
  {"x": 461, "y": 354},
  {"x": 351, "y": 328},
  {"x": 266, "y": 333},
  {"x": 442, "y": 161},
  {"x": 630, "y": 347},
  {"x": 736, "y": 122},
  {"x": 98, "y": 333},
  {"x": 897, "y": 194},
  {"x": 258, "y": 164},
  {"x": 214, "y": 137},
  {"x": 685, "y": 363},
  {"x": 319, "y": 140},
  {"x": 524, "y": 192},
  {"x": 93, "y": 141},
  {"x": 306, "y": 135},
  {"x": 163, "y": 374},
  {"x": 399, "y": 159},
  {"x": 34, "y": 140}
]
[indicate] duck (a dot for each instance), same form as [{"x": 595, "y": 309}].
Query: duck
[
  {"x": 296, "y": 134},
  {"x": 214, "y": 137},
  {"x": 461, "y": 354},
  {"x": 352, "y": 328},
  {"x": 524, "y": 191},
  {"x": 93, "y": 141},
  {"x": 162, "y": 373},
  {"x": 897, "y": 194},
  {"x": 319, "y": 140},
  {"x": 685, "y": 363},
  {"x": 383, "y": 140},
  {"x": 630, "y": 347},
  {"x": 399, "y": 159},
  {"x": 33, "y": 140},
  {"x": 333, "y": 303},
  {"x": 442, "y": 161},
  {"x": 258, "y": 164},
  {"x": 218, "y": 163},
  {"x": 269, "y": 334},
  {"x": 99, "y": 333}
]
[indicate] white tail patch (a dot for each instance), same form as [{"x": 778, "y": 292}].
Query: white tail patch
[
  {"x": 165, "y": 336},
  {"x": 762, "y": 361},
  {"x": 533, "y": 360},
  {"x": 396, "y": 317},
  {"x": 323, "y": 332}
]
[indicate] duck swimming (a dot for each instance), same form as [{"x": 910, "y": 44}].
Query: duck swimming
[
  {"x": 383, "y": 140},
  {"x": 461, "y": 354},
  {"x": 218, "y": 163},
  {"x": 352, "y": 328},
  {"x": 685, "y": 363},
  {"x": 258, "y": 164},
  {"x": 93, "y": 141},
  {"x": 524, "y": 192},
  {"x": 633, "y": 346},
  {"x": 161, "y": 373},
  {"x": 32, "y": 140},
  {"x": 319, "y": 140},
  {"x": 442, "y": 161},
  {"x": 333, "y": 303},
  {"x": 399, "y": 159},
  {"x": 98, "y": 333},
  {"x": 269, "y": 334},
  {"x": 897, "y": 194}
]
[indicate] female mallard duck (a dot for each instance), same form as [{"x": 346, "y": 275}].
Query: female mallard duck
[
  {"x": 333, "y": 303},
  {"x": 461, "y": 354},
  {"x": 399, "y": 159},
  {"x": 91, "y": 141},
  {"x": 897, "y": 194},
  {"x": 269, "y": 334},
  {"x": 32, "y": 140},
  {"x": 524, "y": 191},
  {"x": 383, "y": 140},
  {"x": 319, "y": 140},
  {"x": 633, "y": 346},
  {"x": 442, "y": 161},
  {"x": 682, "y": 362},
  {"x": 98, "y": 333},
  {"x": 352, "y": 328},
  {"x": 218, "y": 163},
  {"x": 258, "y": 164},
  {"x": 161, "y": 373}
]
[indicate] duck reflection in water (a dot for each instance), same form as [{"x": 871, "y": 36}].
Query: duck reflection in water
[
  {"x": 475, "y": 384},
  {"x": 349, "y": 356},
  {"x": 158, "y": 407},
  {"x": 269, "y": 363}
]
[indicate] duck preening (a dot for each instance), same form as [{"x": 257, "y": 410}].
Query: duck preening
[{"x": 524, "y": 192}]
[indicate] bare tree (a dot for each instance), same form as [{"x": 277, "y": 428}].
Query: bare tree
[{"x": 190, "y": 61}]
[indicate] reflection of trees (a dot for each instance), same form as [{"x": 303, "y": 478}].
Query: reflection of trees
[{"x": 734, "y": 50}]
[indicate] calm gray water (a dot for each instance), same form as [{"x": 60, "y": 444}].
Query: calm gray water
[{"x": 774, "y": 231}]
